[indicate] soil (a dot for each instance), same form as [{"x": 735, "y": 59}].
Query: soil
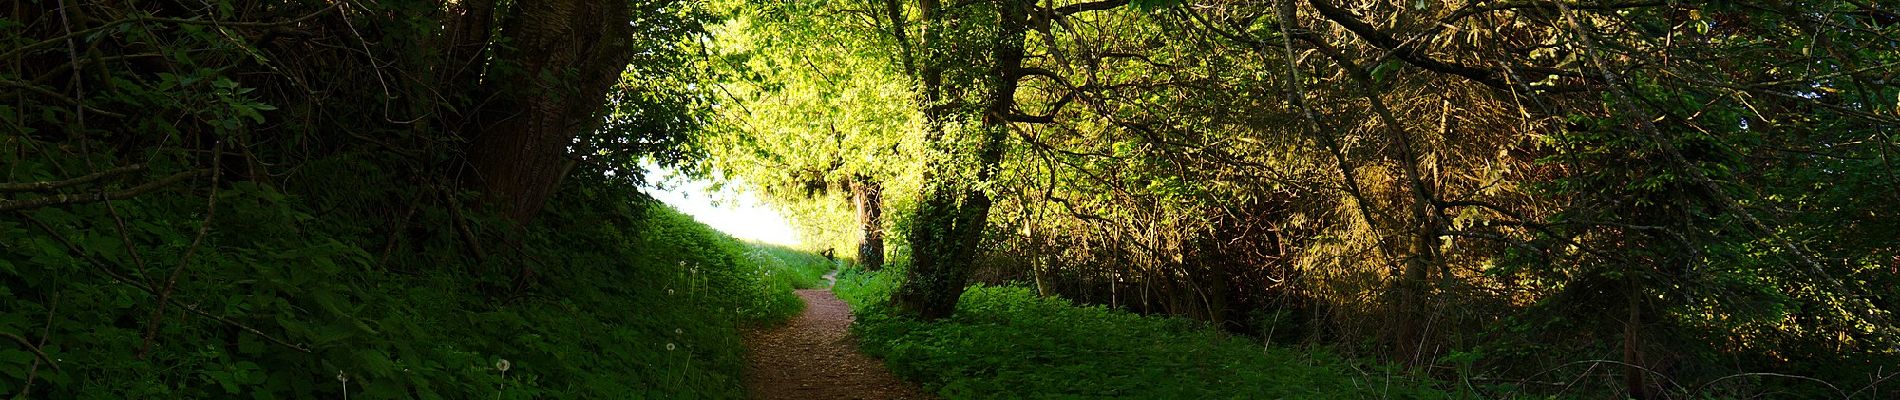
[{"x": 814, "y": 357}]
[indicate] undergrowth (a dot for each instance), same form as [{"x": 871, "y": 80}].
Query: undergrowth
[
  {"x": 1007, "y": 342},
  {"x": 607, "y": 295}
]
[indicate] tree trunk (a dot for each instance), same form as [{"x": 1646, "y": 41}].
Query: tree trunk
[
  {"x": 550, "y": 83},
  {"x": 868, "y": 197},
  {"x": 949, "y": 222}
]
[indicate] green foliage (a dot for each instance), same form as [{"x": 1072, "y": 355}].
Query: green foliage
[
  {"x": 315, "y": 242},
  {"x": 659, "y": 97},
  {"x": 810, "y": 104},
  {"x": 1006, "y": 342}
]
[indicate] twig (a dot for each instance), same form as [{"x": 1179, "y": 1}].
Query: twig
[
  {"x": 35, "y": 349},
  {"x": 171, "y": 282},
  {"x": 109, "y": 25},
  {"x": 148, "y": 290},
  {"x": 238, "y": 24},
  {"x": 125, "y": 237},
  {"x": 1594, "y": 363},
  {"x": 46, "y": 331},
  {"x": 66, "y": 37},
  {"x": 260, "y": 334},
  {"x": 61, "y": 199},
  {"x": 1837, "y": 390},
  {"x": 50, "y": 185},
  {"x": 461, "y": 227},
  {"x": 56, "y": 96},
  {"x": 1875, "y": 385}
]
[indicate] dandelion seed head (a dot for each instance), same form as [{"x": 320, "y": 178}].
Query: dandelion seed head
[
  {"x": 669, "y": 347},
  {"x": 503, "y": 365},
  {"x": 340, "y": 377}
]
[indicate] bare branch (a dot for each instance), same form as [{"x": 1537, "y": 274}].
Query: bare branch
[
  {"x": 1072, "y": 9},
  {"x": 56, "y": 96},
  {"x": 28, "y": 344},
  {"x": 1405, "y": 51},
  {"x": 50, "y": 185},
  {"x": 61, "y": 199}
]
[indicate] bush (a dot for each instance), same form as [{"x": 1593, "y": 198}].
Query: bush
[{"x": 1007, "y": 342}]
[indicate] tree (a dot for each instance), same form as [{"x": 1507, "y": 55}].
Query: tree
[
  {"x": 814, "y": 118},
  {"x": 546, "y": 87},
  {"x": 966, "y": 78}
]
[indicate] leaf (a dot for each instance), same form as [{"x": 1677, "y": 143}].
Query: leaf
[
  {"x": 13, "y": 362},
  {"x": 1384, "y": 70}
]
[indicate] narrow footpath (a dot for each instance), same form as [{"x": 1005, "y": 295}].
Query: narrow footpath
[{"x": 814, "y": 357}]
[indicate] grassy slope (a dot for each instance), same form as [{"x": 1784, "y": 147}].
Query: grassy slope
[
  {"x": 788, "y": 266},
  {"x": 1005, "y": 342},
  {"x": 633, "y": 300}
]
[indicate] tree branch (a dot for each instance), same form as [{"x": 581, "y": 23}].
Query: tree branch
[
  {"x": 28, "y": 344},
  {"x": 50, "y": 185},
  {"x": 1405, "y": 51},
  {"x": 1071, "y": 9},
  {"x": 240, "y": 24},
  {"x": 56, "y": 96},
  {"x": 10, "y": 205}
]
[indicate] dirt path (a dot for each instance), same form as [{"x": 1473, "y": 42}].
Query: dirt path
[{"x": 812, "y": 357}]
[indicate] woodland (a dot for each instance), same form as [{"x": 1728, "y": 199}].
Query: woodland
[{"x": 320, "y": 199}]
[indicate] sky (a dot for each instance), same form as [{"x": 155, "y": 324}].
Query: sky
[{"x": 732, "y": 211}]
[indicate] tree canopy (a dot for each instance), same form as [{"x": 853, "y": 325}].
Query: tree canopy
[
  {"x": 1673, "y": 182},
  {"x": 1677, "y": 198}
]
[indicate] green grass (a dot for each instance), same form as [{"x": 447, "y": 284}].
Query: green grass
[
  {"x": 1006, "y": 342},
  {"x": 788, "y": 266},
  {"x": 629, "y": 298}
]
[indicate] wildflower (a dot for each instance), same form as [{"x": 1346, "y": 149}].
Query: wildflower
[
  {"x": 669, "y": 291},
  {"x": 340, "y": 377},
  {"x": 503, "y": 365},
  {"x": 669, "y": 347},
  {"x": 678, "y": 331}
]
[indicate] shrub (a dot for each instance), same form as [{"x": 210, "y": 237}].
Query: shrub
[{"x": 1007, "y": 342}]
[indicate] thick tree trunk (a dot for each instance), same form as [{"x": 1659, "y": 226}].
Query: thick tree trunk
[
  {"x": 942, "y": 244},
  {"x": 868, "y": 197},
  {"x": 561, "y": 58},
  {"x": 949, "y": 223}
]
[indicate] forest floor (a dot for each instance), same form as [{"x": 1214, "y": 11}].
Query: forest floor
[{"x": 814, "y": 357}]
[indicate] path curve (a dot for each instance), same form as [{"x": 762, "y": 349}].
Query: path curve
[{"x": 814, "y": 357}]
